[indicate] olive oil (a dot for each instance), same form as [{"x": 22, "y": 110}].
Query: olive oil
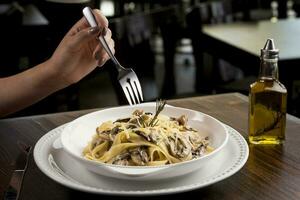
[
  {"x": 267, "y": 101},
  {"x": 267, "y": 114}
]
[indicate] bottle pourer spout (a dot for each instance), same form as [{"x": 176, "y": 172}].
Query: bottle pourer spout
[{"x": 269, "y": 51}]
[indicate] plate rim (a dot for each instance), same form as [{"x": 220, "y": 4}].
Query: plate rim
[{"x": 48, "y": 171}]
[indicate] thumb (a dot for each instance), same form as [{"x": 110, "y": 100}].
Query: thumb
[{"x": 86, "y": 34}]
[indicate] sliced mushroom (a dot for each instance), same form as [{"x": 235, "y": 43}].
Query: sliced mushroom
[
  {"x": 132, "y": 126},
  {"x": 123, "y": 162},
  {"x": 179, "y": 147},
  {"x": 122, "y": 159},
  {"x": 143, "y": 134},
  {"x": 138, "y": 112},
  {"x": 173, "y": 119},
  {"x": 134, "y": 123},
  {"x": 154, "y": 136},
  {"x": 195, "y": 139},
  {"x": 182, "y": 120},
  {"x": 145, "y": 117},
  {"x": 122, "y": 120},
  {"x": 184, "y": 151},
  {"x": 172, "y": 146},
  {"x": 139, "y": 156},
  {"x": 104, "y": 135},
  {"x": 115, "y": 130},
  {"x": 199, "y": 151}
]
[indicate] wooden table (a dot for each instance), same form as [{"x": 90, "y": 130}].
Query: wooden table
[
  {"x": 240, "y": 44},
  {"x": 271, "y": 172}
]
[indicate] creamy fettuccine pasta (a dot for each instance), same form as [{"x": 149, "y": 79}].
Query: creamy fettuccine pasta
[{"x": 146, "y": 139}]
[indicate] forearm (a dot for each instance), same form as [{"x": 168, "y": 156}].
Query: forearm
[
  {"x": 28, "y": 87},
  {"x": 74, "y": 58}
]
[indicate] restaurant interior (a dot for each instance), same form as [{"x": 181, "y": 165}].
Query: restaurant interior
[
  {"x": 163, "y": 41},
  {"x": 220, "y": 88}
]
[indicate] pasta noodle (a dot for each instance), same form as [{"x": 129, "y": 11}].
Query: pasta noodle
[{"x": 145, "y": 139}]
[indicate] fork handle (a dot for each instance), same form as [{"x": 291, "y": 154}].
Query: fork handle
[{"x": 88, "y": 14}]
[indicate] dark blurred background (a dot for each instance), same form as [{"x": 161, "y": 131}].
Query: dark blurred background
[{"x": 155, "y": 37}]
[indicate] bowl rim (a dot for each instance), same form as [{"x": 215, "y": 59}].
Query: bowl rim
[{"x": 93, "y": 162}]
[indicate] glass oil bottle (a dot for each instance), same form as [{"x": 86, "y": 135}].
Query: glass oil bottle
[{"x": 267, "y": 101}]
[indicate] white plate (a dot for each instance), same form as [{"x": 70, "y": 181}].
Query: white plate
[
  {"x": 61, "y": 167},
  {"x": 78, "y": 133}
]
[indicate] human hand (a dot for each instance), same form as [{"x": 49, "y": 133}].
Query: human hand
[{"x": 80, "y": 52}]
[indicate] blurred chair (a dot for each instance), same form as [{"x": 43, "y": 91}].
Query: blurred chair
[
  {"x": 252, "y": 10},
  {"x": 213, "y": 75},
  {"x": 133, "y": 34},
  {"x": 170, "y": 25}
]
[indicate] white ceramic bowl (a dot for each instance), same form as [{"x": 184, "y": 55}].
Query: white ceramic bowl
[{"x": 79, "y": 132}]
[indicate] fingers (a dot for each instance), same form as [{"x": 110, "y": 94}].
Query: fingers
[
  {"x": 100, "y": 54},
  {"x": 107, "y": 34},
  {"x": 83, "y": 23},
  {"x": 81, "y": 33},
  {"x": 85, "y": 35},
  {"x": 101, "y": 19},
  {"x": 103, "y": 56},
  {"x": 99, "y": 50}
]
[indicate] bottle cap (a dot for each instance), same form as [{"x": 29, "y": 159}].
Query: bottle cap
[{"x": 269, "y": 51}]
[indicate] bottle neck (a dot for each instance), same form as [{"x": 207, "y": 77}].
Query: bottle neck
[{"x": 268, "y": 68}]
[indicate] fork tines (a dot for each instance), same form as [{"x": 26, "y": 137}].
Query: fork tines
[{"x": 132, "y": 89}]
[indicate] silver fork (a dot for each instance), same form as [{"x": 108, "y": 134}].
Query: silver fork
[{"x": 126, "y": 76}]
